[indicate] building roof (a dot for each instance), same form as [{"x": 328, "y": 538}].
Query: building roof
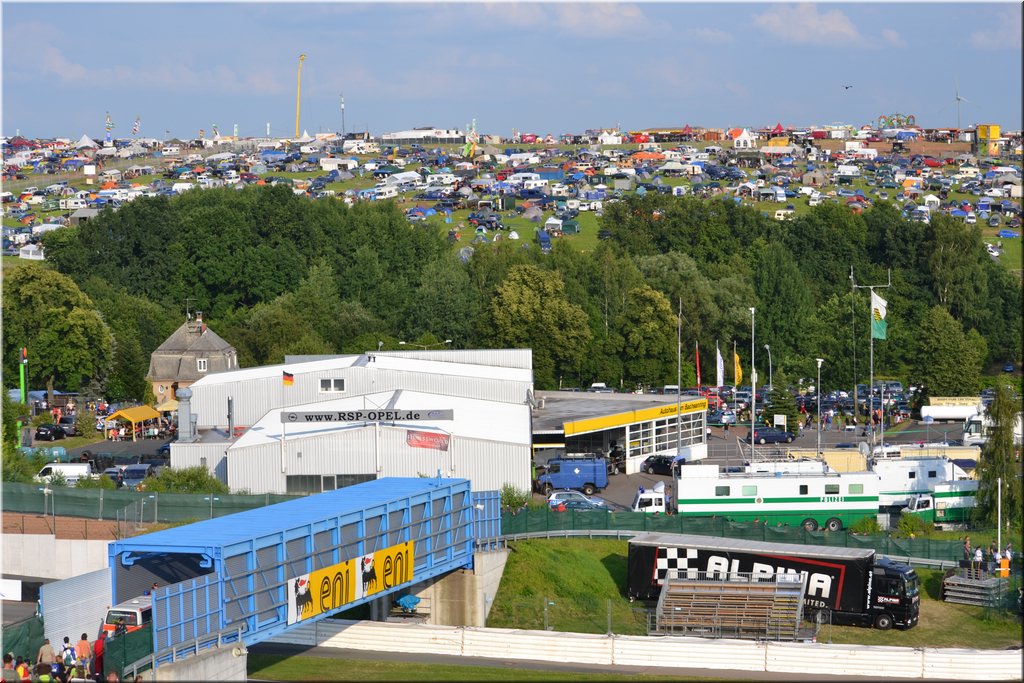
[
  {"x": 382, "y": 361},
  {"x": 561, "y": 407},
  {"x": 174, "y": 359},
  {"x": 743, "y": 545},
  {"x": 193, "y": 336},
  {"x": 272, "y": 519},
  {"x": 474, "y": 418}
]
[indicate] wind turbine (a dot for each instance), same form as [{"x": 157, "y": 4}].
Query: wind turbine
[{"x": 957, "y": 99}]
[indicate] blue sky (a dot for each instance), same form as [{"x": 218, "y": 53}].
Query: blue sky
[{"x": 536, "y": 67}]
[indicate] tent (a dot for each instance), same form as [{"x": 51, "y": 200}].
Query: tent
[
  {"x": 135, "y": 416},
  {"x": 85, "y": 142}
]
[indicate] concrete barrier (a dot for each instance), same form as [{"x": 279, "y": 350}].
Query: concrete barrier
[
  {"x": 65, "y": 558},
  {"x": 663, "y": 651}
]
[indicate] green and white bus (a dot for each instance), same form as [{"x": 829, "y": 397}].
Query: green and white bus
[{"x": 814, "y": 500}]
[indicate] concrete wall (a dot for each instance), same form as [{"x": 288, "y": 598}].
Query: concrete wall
[
  {"x": 222, "y": 664},
  {"x": 48, "y": 557},
  {"x": 459, "y": 598}
]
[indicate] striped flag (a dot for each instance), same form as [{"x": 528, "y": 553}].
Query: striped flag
[
  {"x": 135, "y": 126},
  {"x": 288, "y": 378}
]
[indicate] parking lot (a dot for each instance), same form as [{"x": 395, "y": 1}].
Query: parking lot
[{"x": 730, "y": 452}]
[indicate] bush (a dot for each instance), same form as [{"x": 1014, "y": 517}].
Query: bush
[
  {"x": 101, "y": 482},
  {"x": 187, "y": 480},
  {"x": 866, "y": 525},
  {"x": 58, "y": 480},
  {"x": 911, "y": 526},
  {"x": 513, "y": 499}
]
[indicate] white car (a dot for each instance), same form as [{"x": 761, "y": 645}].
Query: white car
[{"x": 564, "y": 496}]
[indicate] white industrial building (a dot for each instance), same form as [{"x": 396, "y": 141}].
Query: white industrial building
[{"x": 232, "y": 422}]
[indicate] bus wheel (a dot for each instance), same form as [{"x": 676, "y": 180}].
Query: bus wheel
[
  {"x": 834, "y": 525},
  {"x": 883, "y": 622},
  {"x": 810, "y": 524}
]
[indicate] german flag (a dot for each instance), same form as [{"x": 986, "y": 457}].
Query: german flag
[{"x": 288, "y": 378}]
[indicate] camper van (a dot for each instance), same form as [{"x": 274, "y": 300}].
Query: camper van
[
  {"x": 386, "y": 192},
  {"x": 170, "y": 150},
  {"x": 72, "y": 471},
  {"x": 72, "y": 203}
]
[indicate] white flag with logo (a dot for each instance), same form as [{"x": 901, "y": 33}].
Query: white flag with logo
[{"x": 719, "y": 367}]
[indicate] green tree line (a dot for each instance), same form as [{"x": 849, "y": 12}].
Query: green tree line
[{"x": 278, "y": 274}]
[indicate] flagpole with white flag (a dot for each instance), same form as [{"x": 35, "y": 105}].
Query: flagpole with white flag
[
  {"x": 877, "y": 330},
  {"x": 719, "y": 367}
]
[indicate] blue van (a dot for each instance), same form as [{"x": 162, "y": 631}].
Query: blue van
[{"x": 586, "y": 474}]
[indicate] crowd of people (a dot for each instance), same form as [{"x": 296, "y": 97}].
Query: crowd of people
[{"x": 80, "y": 662}]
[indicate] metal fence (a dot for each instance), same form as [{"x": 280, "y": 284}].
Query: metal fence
[
  {"x": 129, "y": 507},
  {"x": 578, "y": 614},
  {"x": 534, "y": 522}
]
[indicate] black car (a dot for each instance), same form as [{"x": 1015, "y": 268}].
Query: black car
[
  {"x": 763, "y": 435},
  {"x": 657, "y": 464},
  {"x": 49, "y": 432}
]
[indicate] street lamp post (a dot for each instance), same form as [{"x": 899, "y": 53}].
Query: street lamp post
[
  {"x": 425, "y": 346},
  {"x": 817, "y": 390},
  {"x": 769, "y": 350},
  {"x": 753, "y": 382}
]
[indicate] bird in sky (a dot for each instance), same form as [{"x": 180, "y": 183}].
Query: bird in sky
[{"x": 847, "y": 87}]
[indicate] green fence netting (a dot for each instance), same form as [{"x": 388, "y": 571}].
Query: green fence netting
[
  {"x": 120, "y": 651},
  {"x": 24, "y": 638},
  {"x": 146, "y": 507},
  {"x": 542, "y": 521}
]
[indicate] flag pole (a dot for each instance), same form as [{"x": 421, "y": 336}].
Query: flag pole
[
  {"x": 871, "y": 339},
  {"x": 679, "y": 378}
]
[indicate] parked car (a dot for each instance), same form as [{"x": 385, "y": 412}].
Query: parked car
[
  {"x": 1009, "y": 367},
  {"x": 657, "y": 464},
  {"x": 565, "y": 496},
  {"x": 49, "y": 432},
  {"x": 722, "y": 417},
  {"x": 115, "y": 475},
  {"x": 565, "y": 505},
  {"x": 68, "y": 424},
  {"x": 763, "y": 435}
]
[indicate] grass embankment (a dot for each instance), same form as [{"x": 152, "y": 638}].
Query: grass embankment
[
  {"x": 583, "y": 581},
  {"x": 311, "y": 668}
]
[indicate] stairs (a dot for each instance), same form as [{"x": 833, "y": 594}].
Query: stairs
[
  {"x": 740, "y": 607},
  {"x": 974, "y": 587}
]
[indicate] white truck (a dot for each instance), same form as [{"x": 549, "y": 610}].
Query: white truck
[{"x": 977, "y": 426}]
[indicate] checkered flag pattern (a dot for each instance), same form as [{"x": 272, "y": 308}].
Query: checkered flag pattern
[{"x": 676, "y": 561}]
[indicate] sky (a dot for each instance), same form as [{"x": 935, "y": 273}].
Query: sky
[{"x": 553, "y": 67}]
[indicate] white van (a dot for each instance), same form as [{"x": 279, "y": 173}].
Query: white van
[
  {"x": 72, "y": 471},
  {"x": 171, "y": 150},
  {"x": 386, "y": 192}
]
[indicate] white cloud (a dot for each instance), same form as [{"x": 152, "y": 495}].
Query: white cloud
[
  {"x": 515, "y": 14},
  {"x": 711, "y": 36},
  {"x": 893, "y": 38},
  {"x": 600, "y": 18},
  {"x": 804, "y": 24},
  {"x": 1003, "y": 34}
]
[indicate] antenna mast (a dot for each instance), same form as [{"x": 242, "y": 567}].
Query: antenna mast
[{"x": 298, "y": 94}]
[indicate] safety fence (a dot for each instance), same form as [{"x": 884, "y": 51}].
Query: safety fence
[
  {"x": 676, "y": 652},
  {"x": 539, "y": 522},
  {"x": 24, "y": 638},
  {"x": 128, "y": 506}
]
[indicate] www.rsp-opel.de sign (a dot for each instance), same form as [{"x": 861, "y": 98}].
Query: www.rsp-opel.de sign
[{"x": 375, "y": 415}]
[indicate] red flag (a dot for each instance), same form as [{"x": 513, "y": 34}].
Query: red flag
[{"x": 697, "y": 344}]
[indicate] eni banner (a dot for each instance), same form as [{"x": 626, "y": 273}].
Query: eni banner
[{"x": 327, "y": 589}]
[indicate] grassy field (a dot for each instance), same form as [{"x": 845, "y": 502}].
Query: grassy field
[
  {"x": 583, "y": 583},
  {"x": 311, "y": 668}
]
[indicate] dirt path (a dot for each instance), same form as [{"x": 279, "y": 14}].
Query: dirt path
[{"x": 76, "y": 528}]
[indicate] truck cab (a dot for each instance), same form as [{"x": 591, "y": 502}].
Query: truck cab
[{"x": 652, "y": 501}]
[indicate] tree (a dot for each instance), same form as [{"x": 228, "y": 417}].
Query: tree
[
  {"x": 69, "y": 343},
  {"x": 529, "y": 310},
  {"x": 781, "y": 402},
  {"x": 948, "y": 363},
  {"x": 999, "y": 465},
  {"x": 647, "y": 326},
  {"x": 784, "y": 306},
  {"x": 444, "y": 304}
]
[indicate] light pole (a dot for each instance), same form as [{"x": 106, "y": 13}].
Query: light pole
[
  {"x": 817, "y": 390},
  {"x": 425, "y": 346},
  {"x": 769, "y": 350},
  {"x": 211, "y": 499},
  {"x": 753, "y": 382}
]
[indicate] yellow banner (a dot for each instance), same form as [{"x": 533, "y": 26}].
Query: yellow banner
[
  {"x": 332, "y": 587},
  {"x": 954, "y": 400},
  {"x": 632, "y": 417}
]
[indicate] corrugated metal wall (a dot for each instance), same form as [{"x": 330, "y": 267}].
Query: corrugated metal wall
[
  {"x": 501, "y": 358},
  {"x": 255, "y": 398},
  {"x": 75, "y": 606},
  {"x": 488, "y": 464}
]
